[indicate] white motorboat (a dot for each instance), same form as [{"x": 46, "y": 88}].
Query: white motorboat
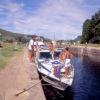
[{"x": 52, "y": 70}]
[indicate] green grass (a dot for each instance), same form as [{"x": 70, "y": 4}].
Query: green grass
[{"x": 7, "y": 52}]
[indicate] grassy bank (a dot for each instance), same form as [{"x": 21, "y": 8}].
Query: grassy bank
[{"x": 7, "y": 51}]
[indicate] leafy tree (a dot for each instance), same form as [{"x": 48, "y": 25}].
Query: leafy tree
[
  {"x": 86, "y": 30},
  {"x": 97, "y": 30},
  {"x": 91, "y": 28}
]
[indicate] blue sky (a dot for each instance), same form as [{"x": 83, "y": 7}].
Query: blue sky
[{"x": 64, "y": 18}]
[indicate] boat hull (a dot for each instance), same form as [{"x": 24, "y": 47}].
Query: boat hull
[{"x": 55, "y": 83}]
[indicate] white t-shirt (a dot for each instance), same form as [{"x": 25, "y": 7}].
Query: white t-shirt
[{"x": 31, "y": 43}]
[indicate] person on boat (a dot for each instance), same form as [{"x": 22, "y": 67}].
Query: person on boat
[
  {"x": 62, "y": 57},
  {"x": 68, "y": 56},
  {"x": 65, "y": 57},
  {"x": 51, "y": 47},
  {"x": 31, "y": 48}
]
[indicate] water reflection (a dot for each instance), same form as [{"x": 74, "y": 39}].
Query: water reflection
[
  {"x": 54, "y": 94},
  {"x": 86, "y": 81}
]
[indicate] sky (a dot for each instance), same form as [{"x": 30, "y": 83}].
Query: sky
[{"x": 54, "y": 19}]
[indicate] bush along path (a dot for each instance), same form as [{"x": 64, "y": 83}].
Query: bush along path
[{"x": 7, "y": 51}]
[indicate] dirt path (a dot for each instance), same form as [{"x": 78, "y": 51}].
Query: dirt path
[{"x": 19, "y": 74}]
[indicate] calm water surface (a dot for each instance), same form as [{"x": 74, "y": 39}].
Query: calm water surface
[{"x": 86, "y": 84}]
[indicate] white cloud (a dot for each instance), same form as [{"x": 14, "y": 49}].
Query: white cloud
[
  {"x": 54, "y": 16},
  {"x": 66, "y": 8}
]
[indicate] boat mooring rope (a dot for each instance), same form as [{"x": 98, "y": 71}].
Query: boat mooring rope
[{"x": 24, "y": 90}]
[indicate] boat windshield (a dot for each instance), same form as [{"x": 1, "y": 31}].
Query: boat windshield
[
  {"x": 45, "y": 55},
  {"x": 56, "y": 54}
]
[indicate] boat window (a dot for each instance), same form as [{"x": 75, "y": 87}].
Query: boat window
[
  {"x": 56, "y": 54},
  {"x": 45, "y": 55}
]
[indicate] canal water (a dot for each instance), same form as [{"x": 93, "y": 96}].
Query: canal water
[{"x": 86, "y": 83}]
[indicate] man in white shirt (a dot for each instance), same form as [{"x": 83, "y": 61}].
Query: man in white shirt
[{"x": 31, "y": 48}]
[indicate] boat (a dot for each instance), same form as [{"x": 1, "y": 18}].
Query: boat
[{"x": 52, "y": 70}]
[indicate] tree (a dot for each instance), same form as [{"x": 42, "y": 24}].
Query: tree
[
  {"x": 97, "y": 30},
  {"x": 86, "y": 31},
  {"x": 91, "y": 28}
]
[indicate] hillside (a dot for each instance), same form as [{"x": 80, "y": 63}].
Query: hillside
[
  {"x": 78, "y": 38},
  {"x": 9, "y": 35}
]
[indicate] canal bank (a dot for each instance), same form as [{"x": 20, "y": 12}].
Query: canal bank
[
  {"x": 93, "y": 53},
  {"x": 20, "y": 80}
]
